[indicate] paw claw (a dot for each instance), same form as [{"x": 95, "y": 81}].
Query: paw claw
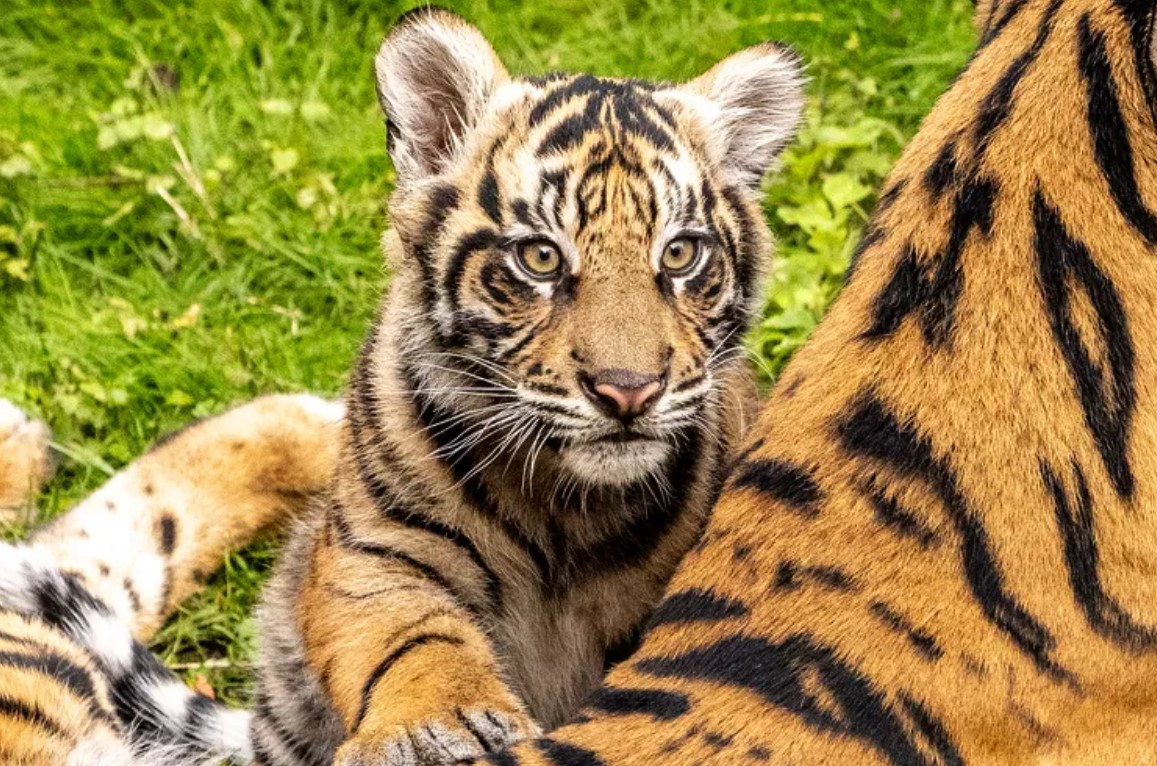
[{"x": 468, "y": 734}]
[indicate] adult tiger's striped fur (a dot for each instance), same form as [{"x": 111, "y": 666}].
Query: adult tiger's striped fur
[
  {"x": 941, "y": 544},
  {"x": 76, "y": 685},
  {"x": 540, "y": 416}
]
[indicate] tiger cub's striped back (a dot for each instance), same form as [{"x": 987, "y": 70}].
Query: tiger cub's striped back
[
  {"x": 947, "y": 513},
  {"x": 76, "y": 685}
]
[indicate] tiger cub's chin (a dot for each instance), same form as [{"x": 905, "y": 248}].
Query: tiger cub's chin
[{"x": 615, "y": 463}]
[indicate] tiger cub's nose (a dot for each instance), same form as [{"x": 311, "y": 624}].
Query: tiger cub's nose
[{"x": 623, "y": 394}]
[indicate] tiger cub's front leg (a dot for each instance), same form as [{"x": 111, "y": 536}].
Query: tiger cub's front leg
[{"x": 407, "y": 667}]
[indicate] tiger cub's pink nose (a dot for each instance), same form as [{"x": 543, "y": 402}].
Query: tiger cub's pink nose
[{"x": 624, "y": 394}]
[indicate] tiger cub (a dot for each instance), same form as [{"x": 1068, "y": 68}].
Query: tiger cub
[
  {"x": 940, "y": 546},
  {"x": 77, "y": 687},
  {"x": 541, "y": 415}
]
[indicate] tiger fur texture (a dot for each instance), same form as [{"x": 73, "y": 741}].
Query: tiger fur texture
[
  {"x": 940, "y": 544},
  {"x": 77, "y": 686},
  {"x": 542, "y": 413}
]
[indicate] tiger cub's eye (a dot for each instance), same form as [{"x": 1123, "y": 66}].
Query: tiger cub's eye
[
  {"x": 539, "y": 259},
  {"x": 681, "y": 255}
]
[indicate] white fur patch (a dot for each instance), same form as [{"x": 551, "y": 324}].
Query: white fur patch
[
  {"x": 331, "y": 411},
  {"x": 613, "y": 463}
]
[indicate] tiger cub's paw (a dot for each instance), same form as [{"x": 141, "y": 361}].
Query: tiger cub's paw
[
  {"x": 25, "y": 461},
  {"x": 462, "y": 736}
]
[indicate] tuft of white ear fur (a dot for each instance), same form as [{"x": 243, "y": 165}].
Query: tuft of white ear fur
[
  {"x": 752, "y": 101},
  {"x": 435, "y": 75}
]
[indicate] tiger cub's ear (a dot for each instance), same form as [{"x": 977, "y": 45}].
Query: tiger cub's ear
[
  {"x": 435, "y": 74},
  {"x": 752, "y": 101}
]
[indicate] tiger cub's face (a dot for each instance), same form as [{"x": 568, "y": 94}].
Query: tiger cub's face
[{"x": 588, "y": 250}]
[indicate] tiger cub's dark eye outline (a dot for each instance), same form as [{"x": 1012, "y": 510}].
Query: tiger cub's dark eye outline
[
  {"x": 698, "y": 248},
  {"x": 519, "y": 249}
]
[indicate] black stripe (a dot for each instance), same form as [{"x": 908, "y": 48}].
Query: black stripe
[
  {"x": 1108, "y": 397},
  {"x": 67, "y": 673},
  {"x": 297, "y": 743},
  {"x": 932, "y": 290},
  {"x": 997, "y": 105},
  {"x": 1139, "y": 17},
  {"x": 900, "y": 520},
  {"x": 923, "y": 641},
  {"x": 660, "y": 705},
  {"x": 1110, "y": 133},
  {"x": 804, "y": 678},
  {"x": 33, "y": 715},
  {"x": 168, "y": 534},
  {"x": 784, "y": 482},
  {"x": 444, "y": 435},
  {"x": 442, "y": 202},
  {"x": 1082, "y": 559},
  {"x": 628, "y": 545},
  {"x": 791, "y": 575},
  {"x": 489, "y": 196},
  {"x": 392, "y": 659},
  {"x": 386, "y": 500},
  {"x": 562, "y": 754},
  {"x": 871, "y": 431},
  {"x": 566, "y": 135},
  {"x": 933, "y": 731},
  {"x": 696, "y": 605},
  {"x": 348, "y": 540},
  {"x": 573, "y": 88},
  {"x": 416, "y": 520},
  {"x": 621, "y": 649},
  {"x": 995, "y": 28},
  {"x": 476, "y": 241}
]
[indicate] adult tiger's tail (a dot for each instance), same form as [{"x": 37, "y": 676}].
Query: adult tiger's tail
[{"x": 77, "y": 685}]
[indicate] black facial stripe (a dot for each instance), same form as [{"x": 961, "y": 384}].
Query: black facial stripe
[
  {"x": 566, "y": 135},
  {"x": 442, "y": 203},
  {"x": 1110, "y": 135},
  {"x": 474, "y": 242},
  {"x": 1108, "y": 398}
]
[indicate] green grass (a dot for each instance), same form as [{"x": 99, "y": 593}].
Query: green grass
[{"x": 191, "y": 196}]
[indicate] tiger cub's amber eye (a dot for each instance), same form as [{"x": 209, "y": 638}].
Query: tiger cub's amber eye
[
  {"x": 681, "y": 255},
  {"x": 539, "y": 259}
]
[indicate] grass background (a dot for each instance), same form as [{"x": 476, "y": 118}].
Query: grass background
[{"x": 191, "y": 196}]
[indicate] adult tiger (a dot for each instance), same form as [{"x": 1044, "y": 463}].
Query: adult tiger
[
  {"x": 77, "y": 687},
  {"x": 941, "y": 544}
]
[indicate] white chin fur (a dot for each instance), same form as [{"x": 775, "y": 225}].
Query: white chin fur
[{"x": 614, "y": 464}]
